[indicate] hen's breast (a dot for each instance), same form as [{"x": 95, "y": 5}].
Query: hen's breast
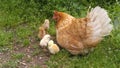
[{"x": 62, "y": 37}]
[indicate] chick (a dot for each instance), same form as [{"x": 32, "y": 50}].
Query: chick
[
  {"x": 52, "y": 47},
  {"x": 43, "y": 29},
  {"x": 46, "y": 24},
  {"x": 44, "y": 41}
]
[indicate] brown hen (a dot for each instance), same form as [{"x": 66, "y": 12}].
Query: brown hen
[{"x": 81, "y": 35}]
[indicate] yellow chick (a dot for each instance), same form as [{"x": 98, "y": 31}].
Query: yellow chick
[{"x": 53, "y": 48}]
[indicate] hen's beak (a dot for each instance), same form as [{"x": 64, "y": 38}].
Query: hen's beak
[{"x": 54, "y": 15}]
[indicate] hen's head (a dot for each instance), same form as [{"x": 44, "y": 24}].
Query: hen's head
[{"x": 59, "y": 16}]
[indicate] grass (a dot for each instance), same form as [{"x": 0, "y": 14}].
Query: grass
[
  {"x": 17, "y": 56},
  {"x": 19, "y": 23},
  {"x": 10, "y": 64}
]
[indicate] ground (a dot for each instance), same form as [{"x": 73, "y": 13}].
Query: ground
[
  {"x": 20, "y": 56},
  {"x": 19, "y": 44}
]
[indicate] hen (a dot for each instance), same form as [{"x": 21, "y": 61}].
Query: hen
[{"x": 81, "y": 35}]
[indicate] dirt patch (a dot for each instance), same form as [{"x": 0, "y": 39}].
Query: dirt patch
[
  {"x": 4, "y": 57},
  {"x": 34, "y": 55},
  {"x": 31, "y": 58}
]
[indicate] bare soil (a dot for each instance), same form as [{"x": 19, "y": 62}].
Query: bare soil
[{"x": 30, "y": 58}]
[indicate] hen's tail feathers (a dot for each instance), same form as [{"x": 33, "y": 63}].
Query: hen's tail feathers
[{"x": 100, "y": 22}]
